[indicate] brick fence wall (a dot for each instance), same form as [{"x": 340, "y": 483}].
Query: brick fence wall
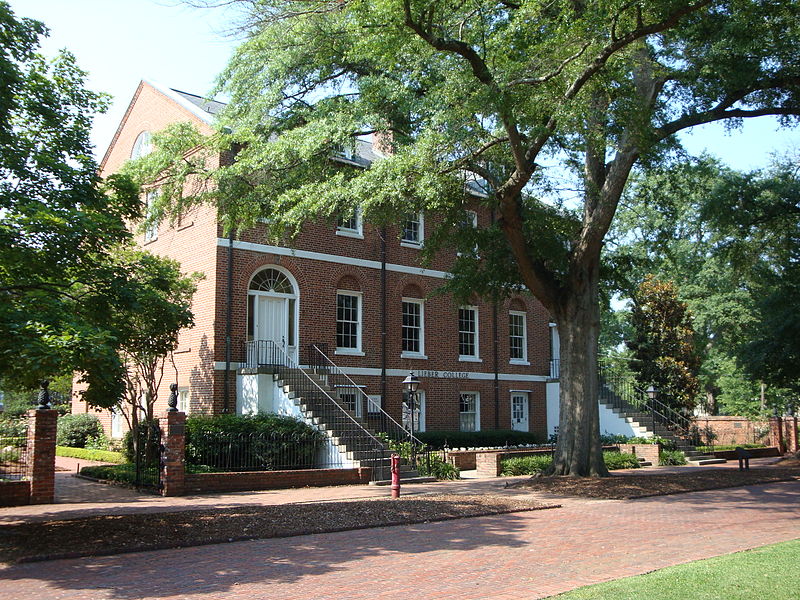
[
  {"x": 734, "y": 430},
  {"x": 39, "y": 488}
]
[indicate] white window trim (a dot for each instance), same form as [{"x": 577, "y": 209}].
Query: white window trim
[
  {"x": 418, "y": 244},
  {"x": 151, "y": 230},
  {"x": 357, "y": 351},
  {"x": 477, "y": 408},
  {"x": 472, "y": 357},
  {"x": 188, "y": 408},
  {"x": 526, "y": 395},
  {"x": 358, "y": 232},
  {"x": 472, "y": 220},
  {"x": 373, "y": 404},
  {"x": 421, "y": 353},
  {"x": 524, "y": 359}
]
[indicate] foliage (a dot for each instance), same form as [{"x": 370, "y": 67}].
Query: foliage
[
  {"x": 728, "y": 237},
  {"x": 491, "y": 438},
  {"x": 541, "y": 463},
  {"x": 263, "y": 442},
  {"x": 13, "y": 426},
  {"x": 667, "y": 458},
  {"x": 436, "y": 466},
  {"x": 144, "y": 439},
  {"x": 487, "y": 97},
  {"x": 57, "y": 221},
  {"x": 75, "y": 430},
  {"x": 723, "y": 447},
  {"x": 663, "y": 345},
  {"x": 620, "y": 460},
  {"x": 122, "y": 473},
  {"x": 525, "y": 465},
  {"x": 90, "y": 454}
]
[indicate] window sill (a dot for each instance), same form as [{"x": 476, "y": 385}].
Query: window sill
[
  {"x": 519, "y": 361},
  {"x": 474, "y": 359},
  {"x": 414, "y": 245},
  {"x": 350, "y": 233},
  {"x": 184, "y": 351},
  {"x": 184, "y": 226},
  {"x": 348, "y": 352},
  {"x": 413, "y": 355}
]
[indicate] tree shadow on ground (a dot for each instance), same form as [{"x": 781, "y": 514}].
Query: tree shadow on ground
[{"x": 219, "y": 568}]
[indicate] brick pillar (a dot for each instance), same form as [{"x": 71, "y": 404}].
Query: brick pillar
[
  {"x": 776, "y": 434},
  {"x": 790, "y": 434},
  {"x": 42, "y": 454},
  {"x": 173, "y": 457},
  {"x": 488, "y": 464}
]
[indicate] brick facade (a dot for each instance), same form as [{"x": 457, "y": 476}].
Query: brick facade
[{"x": 319, "y": 263}]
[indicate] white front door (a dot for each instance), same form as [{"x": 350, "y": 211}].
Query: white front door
[
  {"x": 272, "y": 320},
  {"x": 519, "y": 411}
]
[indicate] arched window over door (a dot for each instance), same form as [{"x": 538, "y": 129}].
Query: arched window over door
[{"x": 272, "y": 308}]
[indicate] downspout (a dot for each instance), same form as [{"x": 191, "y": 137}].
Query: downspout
[
  {"x": 228, "y": 319},
  {"x": 383, "y": 316},
  {"x": 496, "y": 358}
]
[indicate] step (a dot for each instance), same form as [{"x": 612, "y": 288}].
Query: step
[
  {"x": 700, "y": 461},
  {"x": 645, "y": 463}
]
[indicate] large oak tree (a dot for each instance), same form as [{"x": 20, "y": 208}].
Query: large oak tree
[{"x": 550, "y": 105}]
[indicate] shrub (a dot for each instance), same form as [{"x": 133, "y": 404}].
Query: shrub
[
  {"x": 97, "y": 442},
  {"x": 149, "y": 443},
  {"x": 437, "y": 467},
  {"x": 13, "y": 427},
  {"x": 525, "y": 465},
  {"x": 620, "y": 460},
  {"x": 85, "y": 454},
  {"x": 491, "y": 438},
  {"x": 668, "y": 458},
  {"x": 237, "y": 442},
  {"x": 74, "y": 430},
  {"x": 125, "y": 473}
]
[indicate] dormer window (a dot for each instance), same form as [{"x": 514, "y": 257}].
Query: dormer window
[{"x": 142, "y": 146}]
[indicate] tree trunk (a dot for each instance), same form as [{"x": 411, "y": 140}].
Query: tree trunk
[{"x": 578, "y": 451}]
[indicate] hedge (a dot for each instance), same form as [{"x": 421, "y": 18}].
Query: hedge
[
  {"x": 490, "y": 438},
  {"x": 529, "y": 465},
  {"x": 84, "y": 454}
]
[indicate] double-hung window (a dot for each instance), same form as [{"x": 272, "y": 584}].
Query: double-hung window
[
  {"x": 351, "y": 225},
  {"x": 348, "y": 322},
  {"x": 468, "y": 333},
  {"x": 413, "y": 231},
  {"x": 413, "y": 334},
  {"x": 469, "y": 411},
  {"x": 151, "y": 227},
  {"x": 517, "y": 337}
]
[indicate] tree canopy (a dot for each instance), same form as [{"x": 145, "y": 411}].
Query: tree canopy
[
  {"x": 547, "y": 106},
  {"x": 66, "y": 278}
]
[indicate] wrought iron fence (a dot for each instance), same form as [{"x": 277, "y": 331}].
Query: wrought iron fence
[
  {"x": 14, "y": 463},
  {"x": 233, "y": 452},
  {"x": 147, "y": 456}
]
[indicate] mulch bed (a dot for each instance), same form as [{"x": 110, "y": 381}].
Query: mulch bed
[
  {"x": 628, "y": 486},
  {"x": 95, "y": 536}
]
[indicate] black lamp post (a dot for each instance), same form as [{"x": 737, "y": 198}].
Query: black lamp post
[{"x": 411, "y": 385}]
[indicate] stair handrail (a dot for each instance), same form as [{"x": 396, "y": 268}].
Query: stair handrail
[
  {"x": 405, "y": 434},
  {"x": 289, "y": 363},
  {"x": 639, "y": 398}
]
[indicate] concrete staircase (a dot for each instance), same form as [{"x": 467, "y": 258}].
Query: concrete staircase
[
  {"x": 651, "y": 421},
  {"x": 355, "y": 441}
]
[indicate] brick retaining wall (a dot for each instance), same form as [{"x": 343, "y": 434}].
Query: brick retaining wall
[
  {"x": 272, "y": 480},
  {"x": 648, "y": 452},
  {"x": 15, "y": 493}
]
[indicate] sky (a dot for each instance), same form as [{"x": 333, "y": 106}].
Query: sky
[{"x": 120, "y": 42}]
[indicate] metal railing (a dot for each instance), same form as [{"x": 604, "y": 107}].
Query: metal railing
[
  {"x": 622, "y": 392},
  {"x": 322, "y": 407},
  {"x": 213, "y": 451},
  {"x": 14, "y": 463}
]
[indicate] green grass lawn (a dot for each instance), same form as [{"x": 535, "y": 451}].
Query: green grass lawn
[{"x": 767, "y": 573}]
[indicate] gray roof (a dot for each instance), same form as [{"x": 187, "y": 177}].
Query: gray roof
[{"x": 212, "y": 107}]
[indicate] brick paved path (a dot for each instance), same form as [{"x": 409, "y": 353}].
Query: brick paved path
[{"x": 516, "y": 556}]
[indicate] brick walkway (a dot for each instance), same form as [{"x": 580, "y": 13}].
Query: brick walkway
[{"x": 516, "y": 556}]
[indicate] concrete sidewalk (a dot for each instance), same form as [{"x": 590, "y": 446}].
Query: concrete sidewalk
[{"x": 515, "y": 556}]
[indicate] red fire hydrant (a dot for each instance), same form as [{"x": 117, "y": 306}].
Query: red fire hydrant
[{"x": 395, "y": 476}]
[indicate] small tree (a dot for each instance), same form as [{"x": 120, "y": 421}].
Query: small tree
[
  {"x": 148, "y": 333},
  {"x": 664, "y": 353}
]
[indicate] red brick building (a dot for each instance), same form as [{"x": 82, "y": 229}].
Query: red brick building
[{"x": 356, "y": 290}]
